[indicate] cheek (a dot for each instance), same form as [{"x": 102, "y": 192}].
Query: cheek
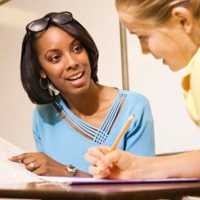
[
  {"x": 53, "y": 71},
  {"x": 162, "y": 48},
  {"x": 85, "y": 61},
  {"x": 155, "y": 46},
  {"x": 168, "y": 51},
  {"x": 85, "y": 57}
]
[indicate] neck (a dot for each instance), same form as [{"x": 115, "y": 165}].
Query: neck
[
  {"x": 196, "y": 33},
  {"x": 85, "y": 103}
]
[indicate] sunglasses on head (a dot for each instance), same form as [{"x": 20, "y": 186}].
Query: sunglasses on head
[{"x": 54, "y": 18}]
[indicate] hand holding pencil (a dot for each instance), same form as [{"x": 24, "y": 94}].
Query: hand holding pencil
[{"x": 103, "y": 159}]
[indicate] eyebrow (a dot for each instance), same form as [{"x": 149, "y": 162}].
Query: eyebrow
[
  {"x": 132, "y": 32},
  {"x": 51, "y": 51},
  {"x": 75, "y": 41},
  {"x": 57, "y": 50}
]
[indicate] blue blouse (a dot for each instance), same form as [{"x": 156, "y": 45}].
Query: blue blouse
[{"x": 67, "y": 140}]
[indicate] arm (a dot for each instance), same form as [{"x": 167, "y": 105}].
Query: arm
[
  {"x": 39, "y": 162},
  {"x": 36, "y": 130},
  {"x": 123, "y": 165},
  {"x": 43, "y": 165}
]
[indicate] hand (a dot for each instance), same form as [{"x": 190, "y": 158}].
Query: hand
[
  {"x": 40, "y": 164},
  {"x": 106, "y": 164},
  {"x": 122, "y": 165}
]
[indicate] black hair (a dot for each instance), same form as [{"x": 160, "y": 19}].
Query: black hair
[{"x": 31, "y": 68}]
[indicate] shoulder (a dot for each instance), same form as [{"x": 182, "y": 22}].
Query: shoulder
[
  {"x": 45, "y": 113},
  {"x": 136, "y": 103},
  {"x": 134, "y": 97}
]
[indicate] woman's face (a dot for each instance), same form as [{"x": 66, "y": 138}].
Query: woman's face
[
  {"x": 168, "y": 42},
  {"x": 64, "y": 61}
]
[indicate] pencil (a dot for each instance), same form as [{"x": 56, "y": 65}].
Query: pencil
[{"x": 122, "y": 132}]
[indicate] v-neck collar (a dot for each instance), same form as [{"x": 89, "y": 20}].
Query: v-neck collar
[
  {"x": 78, "y": 119},
  {"x": 98, "y": 134}
]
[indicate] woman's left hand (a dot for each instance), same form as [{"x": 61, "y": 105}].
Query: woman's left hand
[{"x": 40, "y": 164}]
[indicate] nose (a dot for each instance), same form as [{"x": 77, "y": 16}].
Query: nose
[
  {"x": 71, "y": 62},
  {"x": 144, "y": 46}
]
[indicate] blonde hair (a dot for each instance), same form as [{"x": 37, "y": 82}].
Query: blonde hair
[{"x": 158, "y": 10}]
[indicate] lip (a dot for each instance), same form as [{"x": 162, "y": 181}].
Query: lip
[{"x": 75, "y": 76}]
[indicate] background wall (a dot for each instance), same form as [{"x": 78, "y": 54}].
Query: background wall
[{"x": 174, "y": 129}]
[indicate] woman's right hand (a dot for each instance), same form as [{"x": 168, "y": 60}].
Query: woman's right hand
[
  {"x": 43, "y": 165},
  {"x": 40, "y": 164}
]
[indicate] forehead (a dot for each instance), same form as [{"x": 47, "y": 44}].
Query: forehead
[
  {"x": 135, "y": 25},
  {"x": 53, "y": 37},
  {"x": 53, "y": 34}
]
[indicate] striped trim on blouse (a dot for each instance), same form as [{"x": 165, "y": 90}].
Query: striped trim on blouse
[{"x": 98, "y": 135}]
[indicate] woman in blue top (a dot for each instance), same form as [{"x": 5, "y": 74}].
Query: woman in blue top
[{"x": 74, "y": 112}]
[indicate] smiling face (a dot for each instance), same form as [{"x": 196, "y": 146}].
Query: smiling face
[
  {"x": 169, "y": 42},
  {"x": 64, "y": 61}
]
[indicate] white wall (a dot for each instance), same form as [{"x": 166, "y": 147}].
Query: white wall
[
  {"x": 174, "y": 129},
  {"x": 99, "y": 17}
]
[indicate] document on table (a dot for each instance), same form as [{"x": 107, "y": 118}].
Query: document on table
[{"x": 11, "y": 172}]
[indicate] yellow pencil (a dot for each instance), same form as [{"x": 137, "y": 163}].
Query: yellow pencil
[{"x": 122, "y": 132}]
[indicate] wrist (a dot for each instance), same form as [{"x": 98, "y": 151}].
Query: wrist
[
  {"x": 71, "y": 170},
  {"x": 166, "y": 166}
]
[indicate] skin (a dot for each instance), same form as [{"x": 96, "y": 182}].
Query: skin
[
  {"x": 123, "y": 165},
  {"x": 163, "y": 42},
  {"x": 65, "y": 62},
  {"x": 40, "y": 164}
]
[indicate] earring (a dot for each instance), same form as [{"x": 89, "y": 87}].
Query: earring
[
  {"x": 46, "y": 85},
  {"x": 44, "y": 82},
  {"x": 52, "y": 90}
]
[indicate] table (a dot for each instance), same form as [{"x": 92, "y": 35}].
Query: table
[{"x": 58, "y": 191}]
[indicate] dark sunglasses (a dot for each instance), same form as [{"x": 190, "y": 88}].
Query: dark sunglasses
[{"x": 54, "y": 18}]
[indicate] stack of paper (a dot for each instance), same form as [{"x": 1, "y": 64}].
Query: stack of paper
[{"x": 11, "y": 172}]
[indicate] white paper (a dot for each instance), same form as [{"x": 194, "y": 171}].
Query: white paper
[
  {"x": 11, "y": 172},
  {"x": 7, "y": 149},
  {"x": 59, "y": 179}
]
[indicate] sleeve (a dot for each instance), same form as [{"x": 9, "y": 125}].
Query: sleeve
[
  {"x": 36, "y": 126},
  {"x": 140, "y": 136},
  {"x": 195, "y": 87}
]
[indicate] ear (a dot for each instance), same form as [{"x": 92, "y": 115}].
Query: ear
[
  {"x": 184, "y": 18},
  {"x": 42, "y": 74}
]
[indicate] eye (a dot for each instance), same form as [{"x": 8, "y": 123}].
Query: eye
[
  {"x": 77, "y": 48},
  {"x": 142, "y": 37},
  {"x": 54, "y": 58}
]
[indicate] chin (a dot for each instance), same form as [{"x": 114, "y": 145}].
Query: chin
[
  {"x": 175, "y": 67},
  {"x": 80, "y": 90}
]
